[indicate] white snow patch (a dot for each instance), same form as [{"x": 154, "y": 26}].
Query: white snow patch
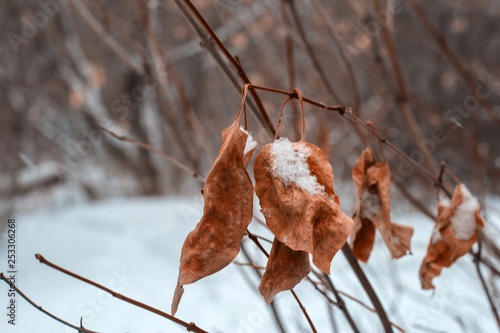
[
  {"x": 291, "y": 166},
  {"x": 463, "y": 220},
  {"x": 370, "y": 204},
  {"x": 108, "y": 240},
  {"x": 251, "y": 143}
]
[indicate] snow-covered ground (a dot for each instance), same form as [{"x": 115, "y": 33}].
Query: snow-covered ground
[{"x": 133, "y": 247}]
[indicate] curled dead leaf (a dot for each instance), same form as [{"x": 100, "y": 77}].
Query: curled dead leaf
[
  {"x": 373, "y": 210},
  {"x": 285, "y": 269},
  {"x": 456, "y": 230},
  {"x": 294, "y": 183},
  {"x": 227, "y": 212}
]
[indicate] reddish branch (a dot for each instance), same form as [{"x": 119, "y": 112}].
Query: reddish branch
[
  {"x": 191, "y": 327},
  {"x": 80, "y": 329},
  {"x": 234, "y": 62},
  {"x": 207, "y": 43}
]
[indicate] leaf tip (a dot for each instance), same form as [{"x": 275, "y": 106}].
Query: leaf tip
[{"x": 179, "y": 290}]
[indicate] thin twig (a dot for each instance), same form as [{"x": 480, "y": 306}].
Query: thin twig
[
  {"x": 38, "y": 307},
  {"x": 234, "y": 62},
  {"x": 403, "y": 101},
  {"x": 407, "y": 159},
  {"x": 337, "y": 108},
  {"x": 290, "y": 62},
  {"x": 322, "y": 292},
  {"x": 310, "y": 51},
  {"x": 191, "y": 117},
  {"x": 347, "y": 63},
  {"x": 477, "y": 259},
  {"x": 191, "y": 327},
  {"x": 248, "y": 264},
  {"x": 411, "y": 198},
  {"x": 154, "y": 150},
  {"x": 369, "y": 308},
  {"x": 208, "y": 44},
  {"x": 316, "y": 65},
  {"x": 254, "y": 239},
  {"x": 304, "y": 311},
  {"x": 490, "y": 265}
]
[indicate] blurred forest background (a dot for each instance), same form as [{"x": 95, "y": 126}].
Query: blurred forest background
[{"x": 138, "y": 68}]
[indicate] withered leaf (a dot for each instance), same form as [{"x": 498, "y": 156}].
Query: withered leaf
[
  {"x": 285, "y": 269},
  {"x": 227, "y": 212},
  {"x": 298, "y": 200},
  {"x": 456, "y": 230},
  {"x": 373, "y": 210}
]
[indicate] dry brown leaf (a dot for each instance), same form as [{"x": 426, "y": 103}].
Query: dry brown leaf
[
  {"x": 227, "y": 212},
  {"x": 285, "y": 269},
  {"x": 373, "y": 210},
  {"x": 304, "y": 212},
  {"x": 456, "y": 230}
]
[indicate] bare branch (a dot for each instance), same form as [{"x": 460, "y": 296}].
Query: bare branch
[
  {"x": 38, "y": 307},
  {"x": 191, "y": 327},
  {"x": 154, "y": 150}
]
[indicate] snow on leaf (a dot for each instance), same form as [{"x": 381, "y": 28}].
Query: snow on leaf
[
  {"x": 309, "y": 218},
  {"x": 291, "y": 166},
  {"x": 227, "y": 212},
  {"x": 373, "y": 210},
  {"x": 249, "y": 146},
  {"x": 456, "y": 230},
  {"x": 285, "y": 269},
  {"x": 463, "y": 221},
  {"x": 370, "y": 204}
]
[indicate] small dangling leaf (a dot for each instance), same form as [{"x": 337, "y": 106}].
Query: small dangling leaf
[
  {"x": 456, "y": 230},
  {"x": 373, "y": 210},
  {"x": 285, "y": 269},
  {"x": 227, "y": 212}
]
